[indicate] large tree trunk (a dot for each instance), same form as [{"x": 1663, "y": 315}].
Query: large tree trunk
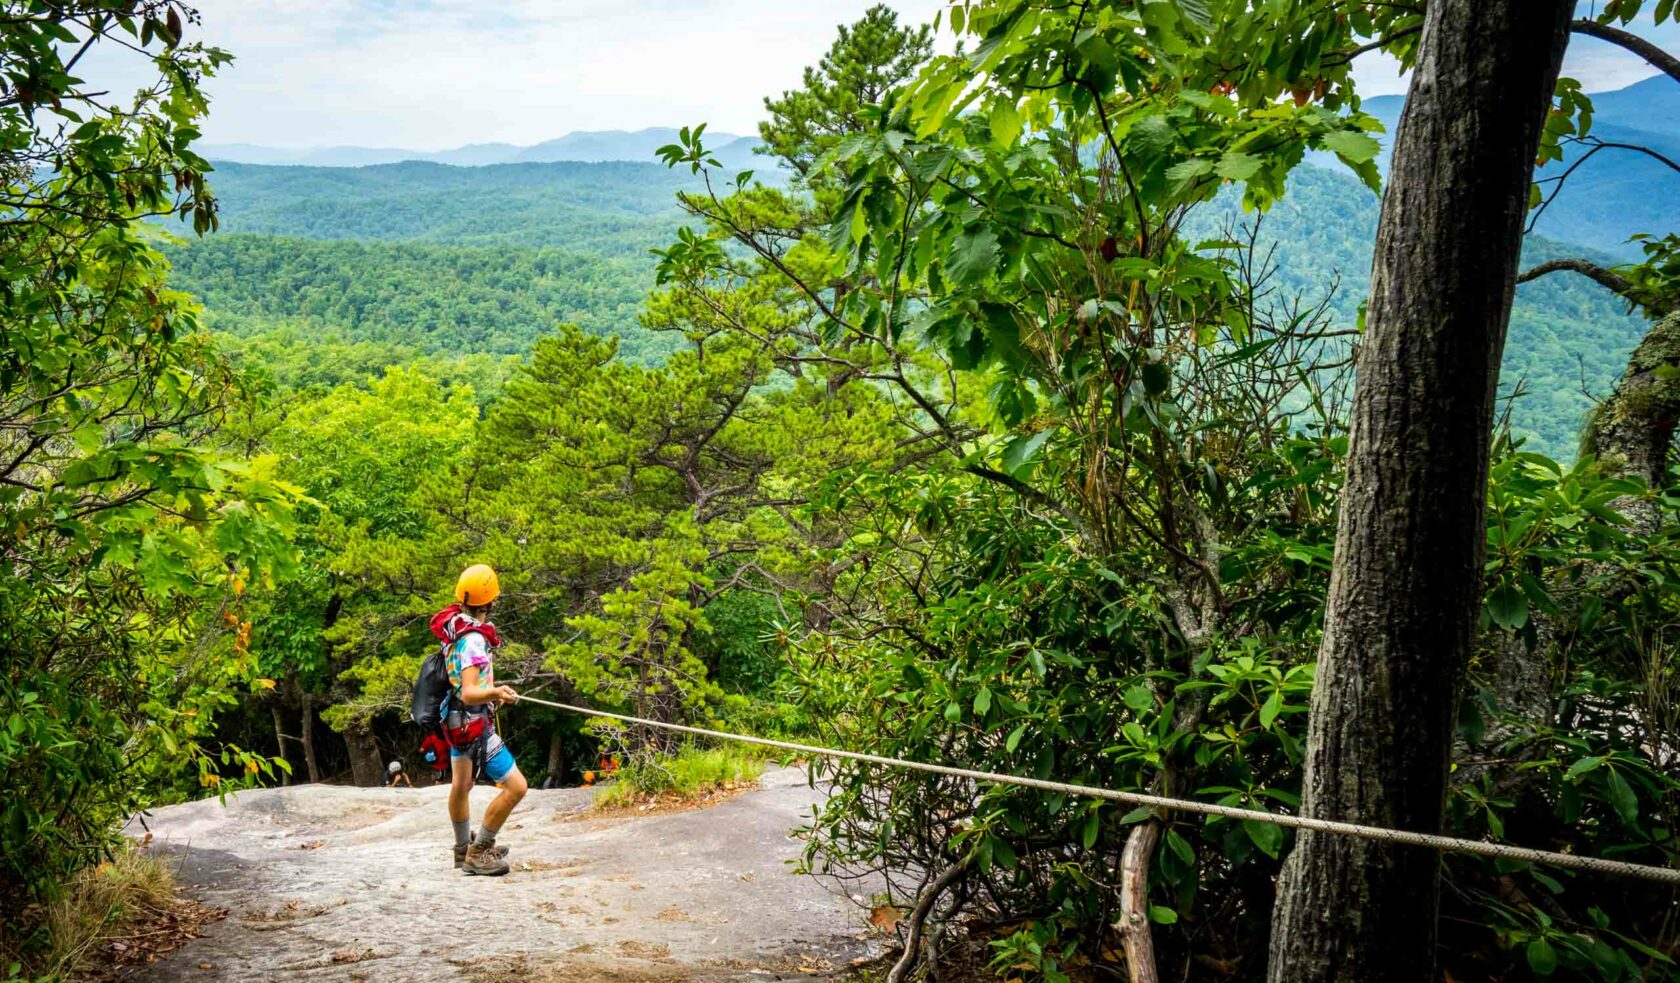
[
  {"x": 280, "y": 740},
  {"x": 365, "y": 767},
  {"x": 1407, "y": 578},
  {"x": 556, "y": 760},
  {"x": 306, "y": 733}
]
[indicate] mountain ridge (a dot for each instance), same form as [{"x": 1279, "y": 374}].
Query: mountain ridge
[
  {"x": 586, "y": 146},
  {"x": 1614, "y": 195}
]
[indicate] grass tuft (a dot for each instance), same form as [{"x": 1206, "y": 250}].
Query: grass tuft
[
  {"x": 71, "y": 934},
  {"x": 690, "y": 773}
]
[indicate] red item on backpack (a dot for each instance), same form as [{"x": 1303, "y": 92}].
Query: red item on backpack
[
  {"x": 452, "y": 622},
  {"x": 435, "y": 750}
]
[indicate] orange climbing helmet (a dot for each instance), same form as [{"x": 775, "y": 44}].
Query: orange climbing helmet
[{"x": 478, "y": 585}]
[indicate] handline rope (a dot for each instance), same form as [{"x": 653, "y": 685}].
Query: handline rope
[{"x": 1449, "y": 844}]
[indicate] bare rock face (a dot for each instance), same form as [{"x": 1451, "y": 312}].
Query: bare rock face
[
  {"x": 356, "y": 883},
  {"x": 1632, "y": 432}
]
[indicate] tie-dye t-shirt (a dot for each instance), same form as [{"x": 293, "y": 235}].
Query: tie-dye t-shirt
[{"x": 469, "y": 649}]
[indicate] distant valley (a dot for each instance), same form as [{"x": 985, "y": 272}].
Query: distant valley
[{"x": 471, "y": 254}]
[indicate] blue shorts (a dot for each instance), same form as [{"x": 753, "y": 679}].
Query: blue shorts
[{"x": 498, "y": 760}]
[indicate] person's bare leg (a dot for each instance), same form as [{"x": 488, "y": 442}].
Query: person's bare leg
[
  {"x": 460, "y": 816},
  {"x": 460, "y": 787},
  {"x": 513, "y": 789}
]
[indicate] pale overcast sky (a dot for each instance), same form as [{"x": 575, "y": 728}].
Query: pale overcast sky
[{"x": 434, "y": 74}]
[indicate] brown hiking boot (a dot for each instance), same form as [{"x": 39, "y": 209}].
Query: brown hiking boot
[
  {"x": 461, "y": 851},
  {"x": 484, "y": 861}
]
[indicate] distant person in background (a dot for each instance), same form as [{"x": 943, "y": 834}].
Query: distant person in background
[
  {"x": 396, "y": 776},
  {"x": 469, "y": 723},
  {"x": 435, "y": 751}
]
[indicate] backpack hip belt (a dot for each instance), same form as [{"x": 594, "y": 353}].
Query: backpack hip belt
[{"x": 465, "y": 729}]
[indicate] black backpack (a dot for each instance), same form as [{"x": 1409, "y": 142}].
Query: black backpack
[{"x": 429, "y": 690}]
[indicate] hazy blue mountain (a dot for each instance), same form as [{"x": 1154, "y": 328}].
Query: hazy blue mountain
[
  {"x": 591, "y": 146},
  {"x": 1652, "y": 105},
  {"x": 473, "y": 154},
  {"x": 599, "y": 145},
  {"x": 1617, "y": 192},
  {"x": 345, "y": 156}
]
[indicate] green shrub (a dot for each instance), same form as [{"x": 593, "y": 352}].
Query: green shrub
[{"x": 690, "y": 772}]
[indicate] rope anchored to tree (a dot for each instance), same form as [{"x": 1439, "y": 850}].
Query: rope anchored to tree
[{"x": 1448, "y": 844}]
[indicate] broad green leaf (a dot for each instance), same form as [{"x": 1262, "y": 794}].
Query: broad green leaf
[
  {"x": 1181, "y": 846},
  {"x": 973, "y": 255},
  {"x": 1541, "y": 958},
  {"x": 1507, "y": 605},
  {"x": 1005, "y": 122},
  {"x": 1187, "y": 171},
  {"x": 1237, "y": 167},
  {"x": 1267, "y": 836},
  {"x": 1351, "y": 145},
  {"x": 1622, "y": 798},
  {"x": 1152, "y": 136},
  {"x": 1014, "y": 739},
  {"x": 1584, "y": 765},
  {"x": 1023, "y": 452}
]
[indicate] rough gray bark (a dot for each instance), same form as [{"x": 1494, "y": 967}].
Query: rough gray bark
[
  {"x": 1407, "y": 576},
  {"x": 1133, "y": 926},
  {"x": 366, "y": 769},
  {"x": 306, "y": 733},
  {"x": 556, "y": 759}
]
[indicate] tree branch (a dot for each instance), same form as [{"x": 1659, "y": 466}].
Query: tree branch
[
  {"x": 924, "y": 906},
  {"x": 1659, "y": 59},
  {"x": 1032, "y": 494},
  {"x": 1608, "y": 279}
]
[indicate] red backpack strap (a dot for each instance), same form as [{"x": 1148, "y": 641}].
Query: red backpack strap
[{"x": 485, "y": 630}]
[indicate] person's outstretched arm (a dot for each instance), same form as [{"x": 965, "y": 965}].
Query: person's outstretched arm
[{"x": 475, "y": 693}]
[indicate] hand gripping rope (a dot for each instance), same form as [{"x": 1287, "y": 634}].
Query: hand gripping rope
[{"x": 1449, "y": 844}]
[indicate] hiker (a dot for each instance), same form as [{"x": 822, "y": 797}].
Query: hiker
[
  {"x": 470, "y": 643},
  {"x": 435, "y": 750},
  {"x": 395, "y": 776}
]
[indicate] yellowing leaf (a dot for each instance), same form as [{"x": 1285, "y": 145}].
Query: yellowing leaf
[{"x": 885, "y": 917}]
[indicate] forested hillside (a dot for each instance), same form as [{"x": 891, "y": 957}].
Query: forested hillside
[
  {"x": 422, "y": 298},
  {"x": 473, "y": 260},
  {"x": 1569, "y": 338},
  {"x": 615, "y": 208}
]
